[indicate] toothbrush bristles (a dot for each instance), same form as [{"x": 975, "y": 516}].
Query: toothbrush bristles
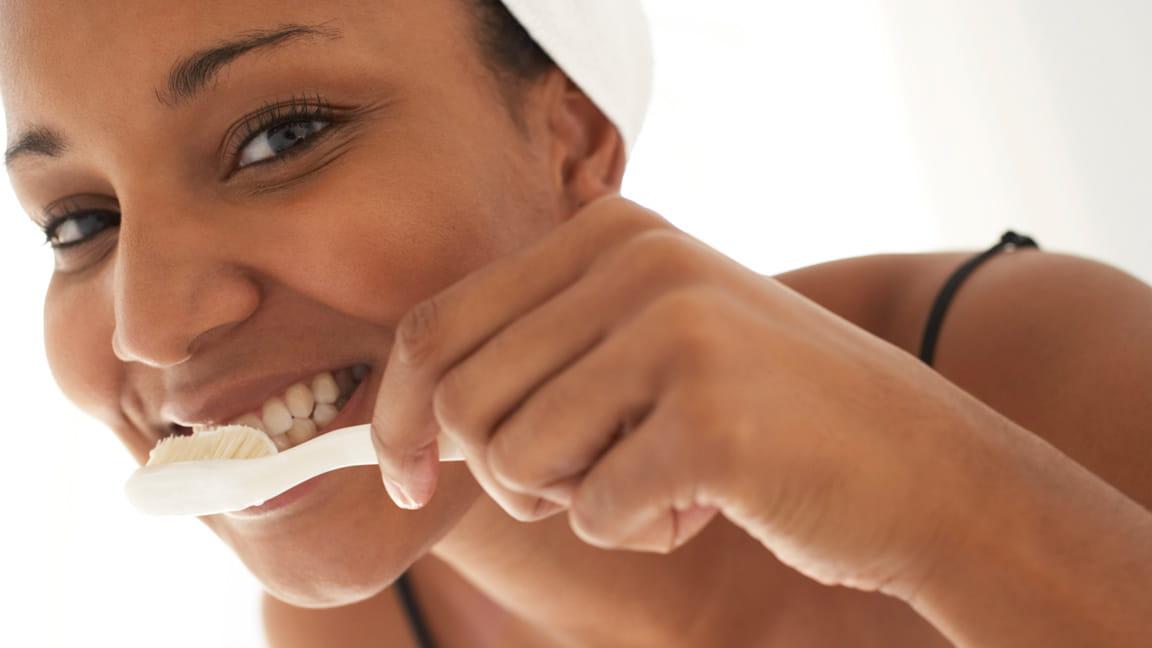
[{"x": 207, "y": 443}]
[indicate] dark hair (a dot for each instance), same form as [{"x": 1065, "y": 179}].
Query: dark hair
[{"x": 509, "y": 51}]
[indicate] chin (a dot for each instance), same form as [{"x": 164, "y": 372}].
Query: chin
[
  {"x": 349, "y": 550},
  {"x": 328, "y": 572},
  {"x": 317, "y": 594}
]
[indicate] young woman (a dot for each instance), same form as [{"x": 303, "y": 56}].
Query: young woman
[{"x": 404, "y": 213}]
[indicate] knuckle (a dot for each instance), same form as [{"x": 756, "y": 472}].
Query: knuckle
[
  {"x": 523, "y": 513},
  {"x": 518, "y": 507},
  {"x": 510, "y": 459},
  {"x": 416, "y": 334},
  {"x": 635, "y": 214},
  {"x": 666, "y": 247},
  {"x": 657, "y": 252},
  {"x": 688, "y": 320},
  {"x": 614, "y": 210},
  {"x": 586, "y": 521},
  {"x": 502, "y": 462}
]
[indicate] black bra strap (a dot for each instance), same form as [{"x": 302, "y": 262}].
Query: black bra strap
[
  {"x": 1009, "y": 240},
  {"x": 419, "y": 628}
]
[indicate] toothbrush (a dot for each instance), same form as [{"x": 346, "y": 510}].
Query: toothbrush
[{"x": 231, "y": 467}]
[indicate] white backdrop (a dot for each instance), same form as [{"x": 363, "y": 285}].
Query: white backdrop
[{"x": 782, "y": 133}]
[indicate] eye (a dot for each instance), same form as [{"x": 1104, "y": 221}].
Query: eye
[
  {"x": 77, "y": 227},
  {"x": 271, "y": 142}
]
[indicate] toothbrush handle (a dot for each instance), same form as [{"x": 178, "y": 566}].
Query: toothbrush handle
[{"x": 352, "y": 446}]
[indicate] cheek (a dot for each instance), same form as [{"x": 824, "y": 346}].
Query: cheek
[
  {"x": 78, "y": 324},
  {"x": 78, "y": 327},
  {"x": 373, "y": 241}
]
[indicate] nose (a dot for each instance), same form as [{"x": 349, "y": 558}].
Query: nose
[{"x": 173, "y": 282}]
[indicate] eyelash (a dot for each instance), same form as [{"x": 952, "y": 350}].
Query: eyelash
[
  {"x": 272, "y": 115},
  {"x": 296, "y": 109},
  {"x": 55, "y": 222}
]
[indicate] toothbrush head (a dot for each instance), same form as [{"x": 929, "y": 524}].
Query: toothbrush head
[{"x": 208, "y": 442}]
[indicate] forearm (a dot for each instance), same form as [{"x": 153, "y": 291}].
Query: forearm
[{"x": 1052, "y": 556}]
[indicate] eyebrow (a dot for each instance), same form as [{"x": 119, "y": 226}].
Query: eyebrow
[
  {"x": 187, "y": 77},
  {"x": 35, "y": 141},
  {"x": 190, "y": 75}
]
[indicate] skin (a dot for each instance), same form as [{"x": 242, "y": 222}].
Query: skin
[
  {"x": 194, "y": 280},
  {"x": 433, "y": 179}
]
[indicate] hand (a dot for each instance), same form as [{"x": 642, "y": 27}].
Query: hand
[{"x": 629, "y": 374}]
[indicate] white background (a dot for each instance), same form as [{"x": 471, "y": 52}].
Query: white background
[{"x": 783, "y": 133}]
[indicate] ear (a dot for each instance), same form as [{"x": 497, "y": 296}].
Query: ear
[{"x": 587, "y": 153}]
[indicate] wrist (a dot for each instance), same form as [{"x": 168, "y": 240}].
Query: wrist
[
  {"x": 1040, "y": 552},
  {"x": 971, "y": 492}
]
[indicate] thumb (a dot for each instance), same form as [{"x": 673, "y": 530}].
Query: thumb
[
  {"x": 409, "y": 476},
  {"x": 404, "y": 434}
]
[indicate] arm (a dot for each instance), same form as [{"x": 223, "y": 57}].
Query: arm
[
  {"x": 1061, "y": 552},
  {"x": 1054, "y": 556}
]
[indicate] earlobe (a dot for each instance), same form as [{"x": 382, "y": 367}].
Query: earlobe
[{"x": 588, "y": 153}]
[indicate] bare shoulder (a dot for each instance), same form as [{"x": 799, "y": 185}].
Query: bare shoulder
[
  {"x": 375, "y": 622},
  {"x": 1061, "y": 344},
  {"x": 879, "y": 293}
]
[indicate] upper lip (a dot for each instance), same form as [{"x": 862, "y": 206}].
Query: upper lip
[{"x": 222, "y": 400}]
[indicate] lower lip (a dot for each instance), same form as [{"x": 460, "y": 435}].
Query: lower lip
[{"x": 347, "y": 416}]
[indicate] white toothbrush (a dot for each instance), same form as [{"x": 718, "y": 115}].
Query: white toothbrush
[{"x": 232, "y": 467}]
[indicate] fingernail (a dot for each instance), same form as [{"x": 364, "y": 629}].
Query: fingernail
[
  {"x": 419, "y": 475},
  {"x": 397, "y": 494},
  {"x": 545, "y": 508}
]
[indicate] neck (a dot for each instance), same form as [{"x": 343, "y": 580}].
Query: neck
[{"x": 542, "y": 573}]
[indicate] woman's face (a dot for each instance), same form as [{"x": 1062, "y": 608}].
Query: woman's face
[{"x": 246, "y": 258}]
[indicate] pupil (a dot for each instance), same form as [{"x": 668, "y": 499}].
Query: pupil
[{"x": 288, "y": 135}]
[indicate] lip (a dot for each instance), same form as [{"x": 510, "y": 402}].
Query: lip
[
  {"x": 220, "y": 401},
  {"x": 357, "y": 410}
]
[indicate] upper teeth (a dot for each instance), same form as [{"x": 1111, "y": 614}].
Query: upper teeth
[{"x": 296, "y": 415}]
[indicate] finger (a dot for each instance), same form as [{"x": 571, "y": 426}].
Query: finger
[
  {"x": 436, "y": 333},
  {"x": 521, "y": 507},
  {"x": 506, "y": 372},
  {"x": 565, "y": 424},
  {"x": 652, "y": 491}
]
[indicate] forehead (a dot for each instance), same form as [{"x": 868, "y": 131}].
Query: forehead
[{"x": 61, "y": 57}]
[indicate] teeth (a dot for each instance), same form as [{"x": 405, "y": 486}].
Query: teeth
[
  {"x": 297, "y": 415},
  {"x": 302, "y": 430},
  {"x": 251, "y": 420},
  {"x": 299, "y": 400},
  {"x": 277, "y": 419},
  {"x": 325, "y": 389},
  {"x": 323, "y": 414}
]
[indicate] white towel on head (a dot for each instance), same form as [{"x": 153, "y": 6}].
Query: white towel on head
[{"x": 603, "y": 46}]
